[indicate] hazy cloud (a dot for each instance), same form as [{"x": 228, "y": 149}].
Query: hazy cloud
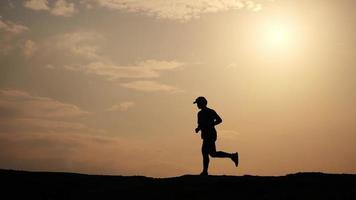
[
  {"x": 21, "y": 112},
  {"x": 50, "y": 66},
  {"x": 182, "y": 10},
  {"x": 79, "y": 43},
  {"x": 11, "y": 27},
  {"x": 32, "y": 125},
  {"x": 77, "y": 47},
  {"x": 63, "y": 8},
  {"x": 122, "y": 106},
  {"x": 78, "y": 152},
  {"x": 9, "y": 33},
  {"x": 144, "y": 69},
  {"x": 58, "y": 8},
  {"x": 36, "y": 4},
  {"x": 251, "y": 5},
  {"x": 150, "y": 86},
  {"x": 83, "y": 44},
  {"x": 29, "y": 48},
  {"x": 29, "y": 106},
  {"x": 40, "y": 133}
]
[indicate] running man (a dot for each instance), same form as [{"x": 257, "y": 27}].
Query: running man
[{"x": 207, "y": 120}]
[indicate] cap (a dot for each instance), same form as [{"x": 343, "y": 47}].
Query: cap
[{"x": 200, "y": 99}]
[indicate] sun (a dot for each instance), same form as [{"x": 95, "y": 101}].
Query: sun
[
  {"x": 278, "y": 38},
  {"x": 278, "y": 35}
]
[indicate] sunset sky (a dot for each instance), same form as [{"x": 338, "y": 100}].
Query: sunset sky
[{"x": 107, "y": 86}]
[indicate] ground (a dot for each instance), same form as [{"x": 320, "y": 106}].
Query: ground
[{"x": 54, "y": 185}]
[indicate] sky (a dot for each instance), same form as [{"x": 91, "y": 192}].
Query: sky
[{"x": 107, "y": 86}]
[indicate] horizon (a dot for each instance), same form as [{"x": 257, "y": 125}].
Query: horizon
[
  {"x": 107, "y": 87},
  {"x": 178, "y": 176}
]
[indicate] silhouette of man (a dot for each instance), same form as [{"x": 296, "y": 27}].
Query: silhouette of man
[{"x": 207, "y": 120}]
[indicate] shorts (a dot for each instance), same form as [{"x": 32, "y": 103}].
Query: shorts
[
  {"x": 209, "y": 134},
  {"x": 208, "y": 147}
]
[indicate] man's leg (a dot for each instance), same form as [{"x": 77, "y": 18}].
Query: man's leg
[
  {"x": 205, "y": 153},
  {"x": 221, "y": 154},
  {"x": 217, "y": 154}
]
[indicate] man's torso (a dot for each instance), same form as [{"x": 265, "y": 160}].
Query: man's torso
[{"x": 206, "y": 121}]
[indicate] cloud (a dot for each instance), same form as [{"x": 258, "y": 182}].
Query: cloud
[
  {"x": 251, "y": 5},
  {"x": 63, "y": 8},
  {"x": 71, "y": 47},
  {"x": 150, "y": 86},
  {"x": 79, "y": 43},
  {"x": 29, "y": 106},
  {"x": 34, "y": 125},
  {"x": 143, "y": 69},
  {"x": 29, "y": 48},
  {"x": 36, "y": 4},
  {"x": 93, "y": 154},
  {"x": 9, "y": 33},
  {"x": 75, "y": 46},
  {"x": 122, "y": 106},
  {"x": 40, "y": 133},
  {"x": 182, "y": 10},
  {"x": 58, "y": 8},
  {"x": 50, "y": 66},
  {"x": 160, "y": 65},
  {"x": 26, "y": 113},
  {"x": 11, "y": 27}
]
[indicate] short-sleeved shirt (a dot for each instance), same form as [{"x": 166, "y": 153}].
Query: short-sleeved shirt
[{"x": 206, "y": 121}]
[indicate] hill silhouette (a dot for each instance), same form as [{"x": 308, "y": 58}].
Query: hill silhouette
[{"x": 55, "y": 185}]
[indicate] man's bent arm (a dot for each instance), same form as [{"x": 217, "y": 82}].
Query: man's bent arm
[
  {"x": 197, "y": 129},
  {"x": 218, "y": 120}
]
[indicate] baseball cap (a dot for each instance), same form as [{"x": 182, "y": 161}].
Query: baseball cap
[{"x": 200, "y": 99}]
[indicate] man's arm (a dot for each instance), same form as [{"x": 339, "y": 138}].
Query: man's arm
[
  {"x": 198, "y": 128},
  {"x": 217, "y": 120}
]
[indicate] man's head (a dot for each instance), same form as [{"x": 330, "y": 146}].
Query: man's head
[{"x": 201, "y": 102}]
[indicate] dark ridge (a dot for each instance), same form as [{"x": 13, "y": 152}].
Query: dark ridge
[{"x": 58, "y": 185}]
